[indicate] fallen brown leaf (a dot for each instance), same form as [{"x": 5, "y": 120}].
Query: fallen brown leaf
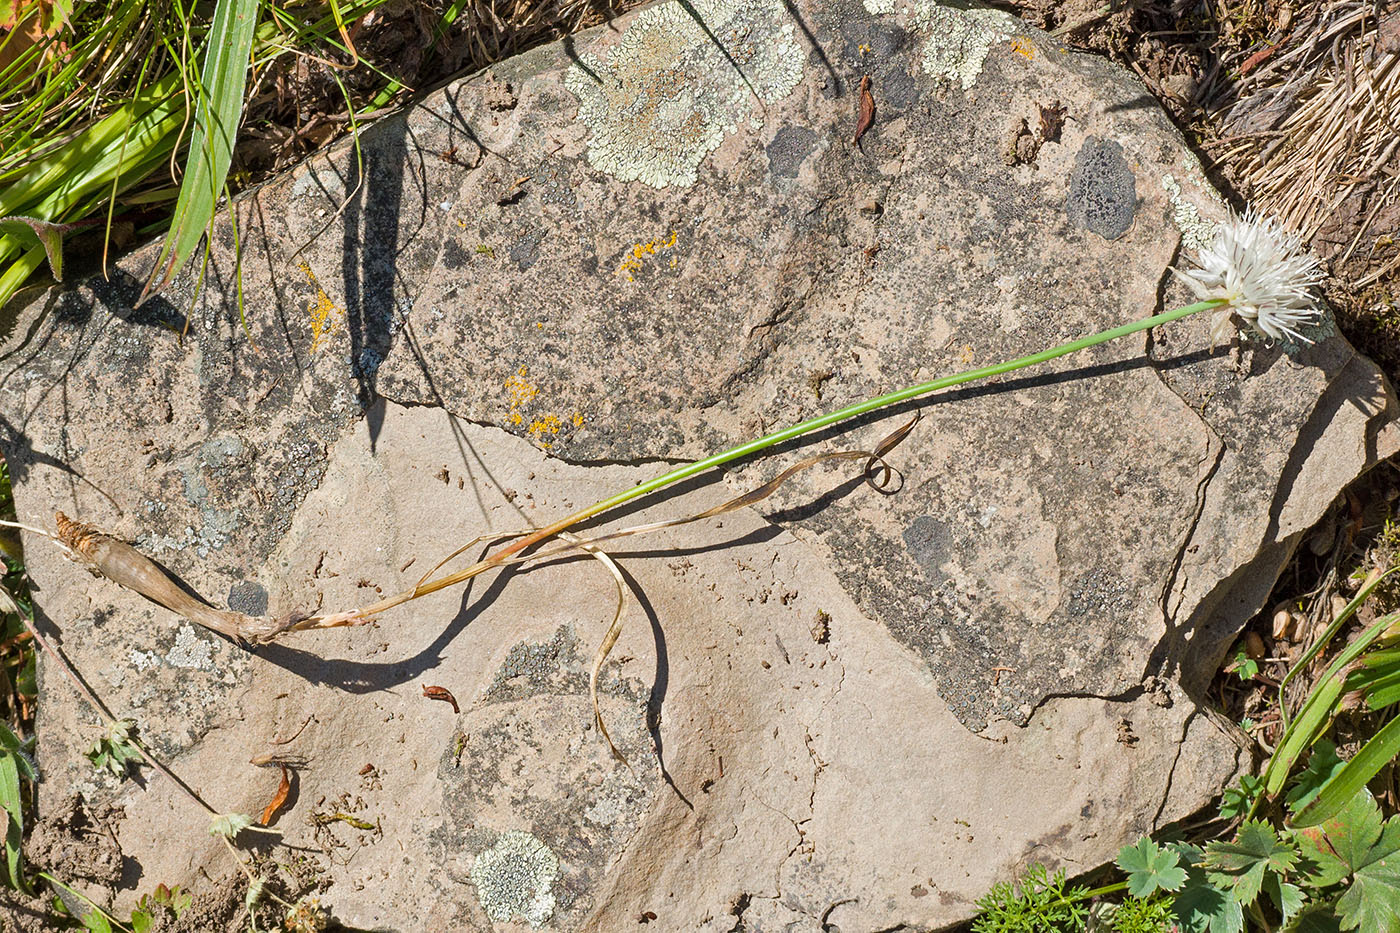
[
  {"x": 441, "y": 693},
  {"x": 283, "y": 789}
]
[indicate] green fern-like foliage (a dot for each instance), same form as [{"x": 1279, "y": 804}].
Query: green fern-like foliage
[
  {"x": 1040, "y": 904},
  {"x": 1144, "y": 915}
]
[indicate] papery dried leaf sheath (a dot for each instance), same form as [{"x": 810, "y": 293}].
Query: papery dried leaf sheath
[{"x": 127, "y": 567}]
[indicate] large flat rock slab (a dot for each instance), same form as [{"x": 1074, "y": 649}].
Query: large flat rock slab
[{"x": 841, "y": 709}]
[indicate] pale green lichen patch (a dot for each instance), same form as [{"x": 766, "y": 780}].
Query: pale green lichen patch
[
  {"x": 516, "y": 877},
  {"x": 1196, "y": 232},
  {"x": 190, "y": 650},
  {"x": 957, "y": 39},
  {"x": 672, "y": 89}
]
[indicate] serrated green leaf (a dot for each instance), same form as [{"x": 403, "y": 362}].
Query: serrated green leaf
[
  {"x": 1373, "y": 900},
  {"x": 1150, "y": 868},
  {"x": 1201, "y": 907},
  {"x": 1336, "y": 846},
  {"x": 1239, "y": 866},
  {"x": 1323, "y": 763},
  {"x": 230, "y": 825},
  {"x": 1319, "y": 918},
  {"x": 1287, "y": 898},
  {"x": 1237, "y": 801}
]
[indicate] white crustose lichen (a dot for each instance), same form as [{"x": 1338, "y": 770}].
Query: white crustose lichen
[
  {"x": 516, "y": 877},
  {"x": 680, "y": 81}
]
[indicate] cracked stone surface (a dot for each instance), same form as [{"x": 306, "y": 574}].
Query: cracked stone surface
[{"x": 843, "y": 710}]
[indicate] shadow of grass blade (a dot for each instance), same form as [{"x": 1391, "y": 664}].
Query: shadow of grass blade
[{"x": 227, "y": 52}]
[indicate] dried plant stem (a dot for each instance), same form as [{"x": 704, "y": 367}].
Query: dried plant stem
[
  {"x": 39, "y": 531},
  {"x": 96, "y": 704},
  {"x": 505, "y": 556}
]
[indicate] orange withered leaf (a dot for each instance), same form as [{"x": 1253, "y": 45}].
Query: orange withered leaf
[
  {"x": 284, "y": 788},
  {"x": 441, "y": 693}
]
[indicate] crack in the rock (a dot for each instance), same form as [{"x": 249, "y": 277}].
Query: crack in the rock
[
  {"x": 1127, "y": 696},
  {"x": 571, "y": 461},
  {"x": 1169, "y": 584},
  {"x": 1171, "y": 771}
]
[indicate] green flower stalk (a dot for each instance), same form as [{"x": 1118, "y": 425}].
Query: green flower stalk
[{"x": 1254, "y": 273}]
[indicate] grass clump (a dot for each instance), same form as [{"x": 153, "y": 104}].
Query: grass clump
[{"x": 132, "y": 118}]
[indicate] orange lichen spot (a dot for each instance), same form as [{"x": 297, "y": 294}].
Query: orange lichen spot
[
  {"x": 546, "y": 425},
  {"x": 543, "y": 428},
  {"x": 966, "y": 355},
  {"x": 520, "y": 390},
  {"x": 325, "y": 314},
  {"x": 1023, "y": 46},
  {"x": 635, "y": 259},
  {"x": 864, "y": 48}
]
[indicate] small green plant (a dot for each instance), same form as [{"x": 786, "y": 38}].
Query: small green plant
[
  {"x": 1242, "y": 665},
  {"x": 1343, "y": 875},
  {"x": 1237, "y": 801},
  {"x": 153, "y": 911},
  {"x": 16, "y": 768},
  {"x": 1143, "y": 915},
  {"x": 1041, "y": 902},
  {"x": 162, "y": 903},
  {"x": 116, "y": 750}
]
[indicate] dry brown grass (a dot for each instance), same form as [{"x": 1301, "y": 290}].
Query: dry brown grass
[{"x": 1312, "y": 132}]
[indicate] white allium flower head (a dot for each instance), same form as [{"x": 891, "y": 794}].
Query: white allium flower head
[{"x": 1261, "y": 270}]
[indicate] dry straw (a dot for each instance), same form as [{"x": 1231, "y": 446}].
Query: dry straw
[{"x": 1319, "y": 124}]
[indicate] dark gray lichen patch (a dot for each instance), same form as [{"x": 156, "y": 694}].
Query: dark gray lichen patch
[
  {"x": 525, "y": 251},
  {"x": 531, "y": 668},
  {"x": 247, "y": 597},
  {"x": 1102, "y": 191},
  {"x": 929, "y": 541},
  {"x": 789, "y": 148}
]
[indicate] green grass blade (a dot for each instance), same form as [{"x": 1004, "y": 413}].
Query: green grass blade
[
  {"x": 11, "y": 806},
  {"x": 1321, "y": 642},
  {"x": 93, "y": 158},
  {"x": 15, "y": 274},
  {"x": 1319, "y": 708},
  {"x": 227, "y": 51},
  {"x": 1379, "y": 751}
]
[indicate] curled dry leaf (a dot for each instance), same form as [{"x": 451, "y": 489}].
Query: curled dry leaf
[
  {"x": 867, "y": 110},
  {"x": 1052, "y": 120},
  {"x": 441, "y": 693},
  {"x": 284, "y": 787}
]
